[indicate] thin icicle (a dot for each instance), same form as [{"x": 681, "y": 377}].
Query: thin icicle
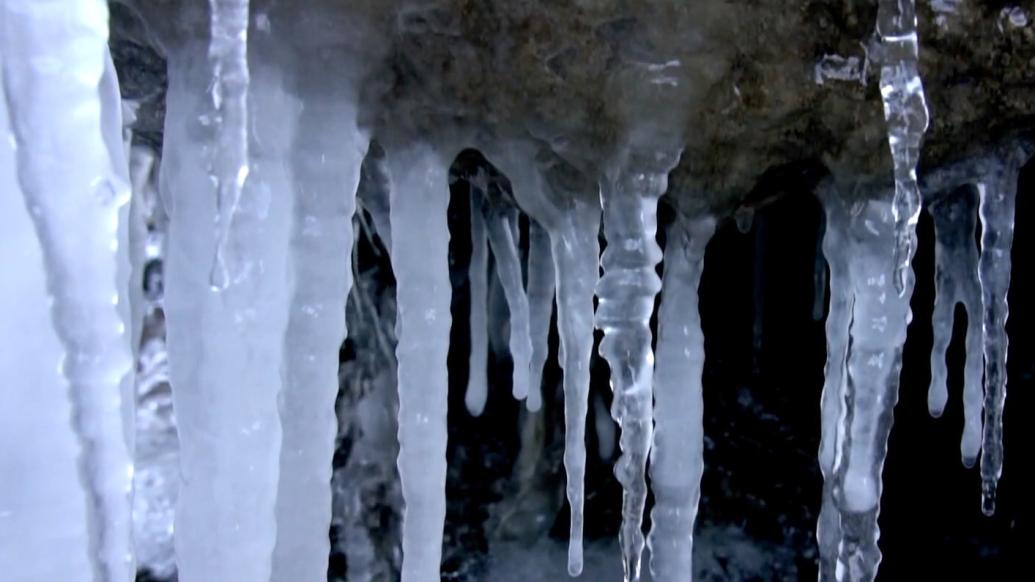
[
  {"x": 677, "y": 458},
  {"x": 626, "y": 293},
  {"x": 956, "y": 281},
  {"x": 420, "y": 258},
  {"x": 879, "y": 317},
  {"x": 326, "y": 158},
  {"x": 905, "y": 111},
  {"x": 501, "y": 222},
  {"x": 835, "y": 382},
  {"x": 229, "y": 164},
  {"x": 54, "y": 56},
  {"x": 477, "y": 275},
  {"x": 997, "y": 191},
  {"x": 226, "y": 347},
  {"x": 540, "y": 299}
]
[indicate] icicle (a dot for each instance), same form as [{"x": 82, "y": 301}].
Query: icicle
[
  {"x": 879, "y": 317},
  {"x": 229, "y": 163},
  {"x": 226, "y": 347},
  {"x": 478, "y": 272},
  {"x": 501, "y": 222},
  {"x": 956, "y": 281},
  {"x": 997, "y": 191},
  {"x": 326, "y": 158},
  {"x": 604, "y": 427},
  {"x": 540, "y": 299},
  {"x": 832, "y": 402},
  {"x": 626, "y": 293},
  {"x": 420, "y": 258},
  {"x": 677, "y": 458},
  {"x": 53, "y": 63},
  {"x": 905, "y": 111}
]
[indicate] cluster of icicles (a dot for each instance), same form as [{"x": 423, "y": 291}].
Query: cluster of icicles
[{"x": 260, "y": 189}]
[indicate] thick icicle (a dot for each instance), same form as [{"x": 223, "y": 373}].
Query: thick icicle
[
  {"x": 997, "y": 191},
  {"x": 420, "y": 258},
  {"x": 879, "y": 317},
  {"x": 629, "y": 196},
  {"x": 229, "y": 161},
  {"x": 54, "y": 56},
  {"x": 956, "y": 281},
  {"x": 501, "y": 223},
  {"x": 905, "y": 111},
  {"x": 477, "y": 275},
  {"x": 677, "y": 458},
  {"x": 828, "y": 530},
  {"x": 326, "y": 158},
  {"x": 540, "y": 300},
  {"x": 226, "y": 347}
]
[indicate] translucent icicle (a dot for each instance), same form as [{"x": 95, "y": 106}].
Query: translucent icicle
[
  {"x": 905, "y": 111},
  {"x": 54, "y": 55},
  {"x": 226, "y": 347},
  {"x": 626, "y": 300},
  {"x": 576, "y": 252},
  {"x": 540, "y": 299},
  {"x": 605, "y": 428},
  {"x": 879, "y": 317},
  {"x": 501, "y": 222},
  {"x": 956, "y": 281},
  {"x": 326, "y": 158},
  {"x": 229, "y": 161},
  {"x": 478, "y": 273},
  {"x": 677, "y": 458},
  {"x": 997, "y": 191},
  {"x": 420, "y": 258},
  {"x": 835, "y": 382}
]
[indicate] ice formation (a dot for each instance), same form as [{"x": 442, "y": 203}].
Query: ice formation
[{"x": 263, "y": 154}]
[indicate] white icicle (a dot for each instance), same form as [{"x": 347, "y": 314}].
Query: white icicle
[
  {"x": 501, "y": 223},
  {"x": 677, "y": 457},
  {"x": 420, "y": 258},
  {"x": 956, "y": 281},
  {"x": 629, "y": 196},
  {"x": 540, "y": 299},
  {"x": 326, "y": 158},
  {"x": 478, "y": 273},
  {"x": 997, "y": 191},
  {"x": 54, "y": 55},
  {"x": 226, "y": 347},
  {"x": 879, "y": 317},
  {"x": 835, "y": 382},
  {"x": 229, "y": 162},
  {"x": 905, "y": 111}
]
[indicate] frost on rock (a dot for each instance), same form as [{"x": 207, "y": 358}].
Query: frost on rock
[
  {"x": 677, "y": 456},
  {"x": 72, "y": 184},
  {"x": 420, "y": 258},
  {"x": 629, "y": 196},
  {"x": 862, "y": 235},
  {"x": 905, "y": 111},
  {"x": 956, "y": 282}
]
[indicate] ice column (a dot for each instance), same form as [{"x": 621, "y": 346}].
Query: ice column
[
  {"x": 326, "y": 157},
  {"x": 677, "y": 457},
  {"x": 478, "y": 273},
  {"x": 879, "y": 317},
  {"x": 629, "y": 196},
  {"x": 228, "y": 53},
  {"x": 54, "y": 55},
  {"x": 226, "y": 346},
  {"x": 956, "y": 281},
  {"x": 420, "y": 258},
  {"x": 997, "y": 190},
  {"x": 540, "y": 299},
  {"x": 905, "y": 110}
]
